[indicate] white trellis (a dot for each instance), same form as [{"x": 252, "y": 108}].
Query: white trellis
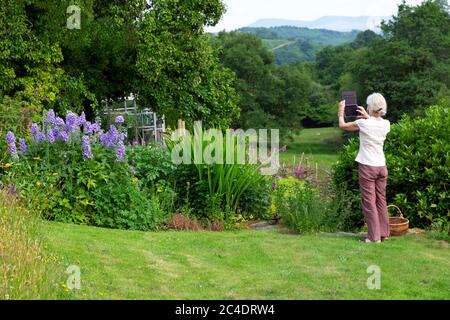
[{"x": 145, "y": 125}]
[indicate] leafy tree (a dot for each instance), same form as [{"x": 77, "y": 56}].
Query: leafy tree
[
  {"x": 156, "y": 50},
  {"x": 182, "y": 77}
]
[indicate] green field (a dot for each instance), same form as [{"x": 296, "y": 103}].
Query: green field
[
  {"x": 319, "y": 145},
  {"x": 247, "y": 265}
]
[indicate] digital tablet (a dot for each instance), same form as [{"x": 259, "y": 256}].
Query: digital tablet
[{"x": 351, "y": 104}]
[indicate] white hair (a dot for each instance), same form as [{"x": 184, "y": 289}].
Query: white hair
[{"x": 376, "y": 103}]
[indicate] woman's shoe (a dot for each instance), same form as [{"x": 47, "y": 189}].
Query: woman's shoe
[
  {"x": 384, "y": 239},
  {"x": 369, "y": 241}
]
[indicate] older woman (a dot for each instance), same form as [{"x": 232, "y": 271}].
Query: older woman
[{"x": 372, "y": 169}]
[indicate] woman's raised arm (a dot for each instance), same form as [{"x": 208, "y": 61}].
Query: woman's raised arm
[{"x": 346, "y": 126}]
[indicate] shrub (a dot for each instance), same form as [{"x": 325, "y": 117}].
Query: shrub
[
  {"x": 26, "y": 270},
  {"x": 299, "y": 204},
  {"x": 255, "y": 202},
  {"x": 214, "y": 191},
  {"x": 72, "y": 171},
  {"x": 418, "y": 158},
  {"x": 150, "y": 164}
]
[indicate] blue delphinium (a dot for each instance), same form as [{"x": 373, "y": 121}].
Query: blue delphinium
[
  {"x": 11, "y": 141},
  {"x": 22, "y": 146},
  {"x": 120, "y": 120},
  {"x": 96, "y": 127},
  {"x": 59, "y": 122},
  {"x": 87, "y": 152},
  {"x": 51, "y": 135},
  {"x": 71, "y": 122},
  {"x": 82, "y": 119},
  {"x": 120, "y": 151},
  {"x": 51, "y": 117},
  {"x": 36, "y": 135}
]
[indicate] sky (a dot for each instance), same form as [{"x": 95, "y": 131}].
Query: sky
[{"x": 241, "y": 13}]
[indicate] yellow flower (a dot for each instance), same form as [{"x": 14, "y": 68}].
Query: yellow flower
[
  {"x": 36, "y": 158},
  {"x": 38, "y": 183},
  {"x": 55, "y": 174},
  {"x": 135, "y": 179},
  {"x": 159, "y": 190},
  {"x": 8, "y": 165},
  {"x": 273, "y": 208}
]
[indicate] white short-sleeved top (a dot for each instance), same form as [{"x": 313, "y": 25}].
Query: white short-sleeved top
[{"x": 372, "y": 134}]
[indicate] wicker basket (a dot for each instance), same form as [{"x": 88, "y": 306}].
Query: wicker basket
[{"x": 399, "y": 225}]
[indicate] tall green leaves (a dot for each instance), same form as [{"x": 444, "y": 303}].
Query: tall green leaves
[{"x": 221, "y": 180}]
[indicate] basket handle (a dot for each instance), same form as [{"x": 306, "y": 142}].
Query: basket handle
[{"x": 398, "y": 209}]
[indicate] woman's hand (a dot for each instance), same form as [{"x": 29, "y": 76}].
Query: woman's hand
[
  {"x": 341, "y": 108},
  {"x": 363, "y": 113}
]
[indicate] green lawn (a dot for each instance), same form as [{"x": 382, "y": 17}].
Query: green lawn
[
  {"x": 320, "y": 145},
  {"x": 247, "y": 265}
]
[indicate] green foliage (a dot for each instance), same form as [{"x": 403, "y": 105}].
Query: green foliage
[
  {"x": 182, "y": 77},
  {"x": 300, "y": 205},
  {"x": 214, "y": 190},
  {"x": 255, "y": 202},
  {"x": 418, "y": 158},
  {"x": 150, "y": 164}
]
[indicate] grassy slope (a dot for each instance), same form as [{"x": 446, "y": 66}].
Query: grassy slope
[
  {"x": 247, "y": 265},
  {"x": 320, "y": 145}
]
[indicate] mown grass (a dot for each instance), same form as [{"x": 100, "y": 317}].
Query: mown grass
[
  {"x": 27, "y": 271},
  {"x": 319, "y": 145},
  {"x": 248, "y": 265}
]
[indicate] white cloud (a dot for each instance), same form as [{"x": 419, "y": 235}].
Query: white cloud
[{"x": 241, "y": 13}]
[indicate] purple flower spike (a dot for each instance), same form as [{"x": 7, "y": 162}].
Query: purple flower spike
[
  {"x": 40, "y": 137},
  {"x": 63, "y": 136},
  {"x": 96, "y": 127},
  {"x": 120, "y": 120},
  {"x": 10, "y": 138},
  {"x": 105, "y": 140},
  {"x": 11, "y": 141},
  {"x": 120, "y": 151},
  {"x": 299, "y": 172},
  {"x": 82, "y": 119},
  {"x": 274, "y": 185},
  {"x": 51, "y": 135},
  {"x": 283, "y": 148},
  {"x": 23, "y": 146},
  {"x": 88, "y": 128},
  {"x": 59, "y": 122},
  {"x": 87, "y": 152},
  {"x": 34, "y": 131},
  {"x": 51, "y": 118}
]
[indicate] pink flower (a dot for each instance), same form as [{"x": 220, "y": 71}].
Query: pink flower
[
  {"x": 283, "y": 148},
  {"x": 274, "y": 184},
  {"x": 299, "y": 172}
]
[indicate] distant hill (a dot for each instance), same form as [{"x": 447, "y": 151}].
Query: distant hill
[
  {"x": 295, "y": 44},
  {"x": 336, "y": 23}
]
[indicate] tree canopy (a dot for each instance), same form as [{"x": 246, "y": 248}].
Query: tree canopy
[{"x": 157, "y": 51}]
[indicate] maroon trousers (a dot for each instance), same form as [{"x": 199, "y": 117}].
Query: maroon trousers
[{"x": 372, "y": 182}]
